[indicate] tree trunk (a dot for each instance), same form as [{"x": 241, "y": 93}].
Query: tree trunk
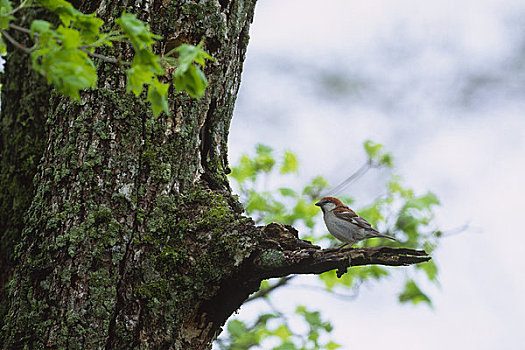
[
  {"x": 126, "y": 232},
  {"x": 130, "y": 225}
]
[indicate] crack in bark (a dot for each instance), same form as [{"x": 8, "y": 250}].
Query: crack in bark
[
  {"x": 123, "y": 262},
  {"x": 206, "y": 147}
]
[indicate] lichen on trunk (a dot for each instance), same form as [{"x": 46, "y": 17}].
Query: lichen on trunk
[{"x": 130, "y": 228}]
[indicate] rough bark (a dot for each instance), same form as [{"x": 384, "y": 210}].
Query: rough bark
[{"x": 126, "y": 232}]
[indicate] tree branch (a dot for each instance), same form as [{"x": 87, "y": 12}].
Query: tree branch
[
  {"x": 262, "y": 293},
  {"x": 82, "y": 48},
  {"x": 14, "y": 42},
  {"x": 284, "y": 254}
]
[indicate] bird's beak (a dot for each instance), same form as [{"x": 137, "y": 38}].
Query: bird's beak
[{"x": 318, "y": 203}]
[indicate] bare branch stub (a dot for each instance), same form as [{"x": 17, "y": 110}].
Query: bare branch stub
[{"x": 284, "y": 253}]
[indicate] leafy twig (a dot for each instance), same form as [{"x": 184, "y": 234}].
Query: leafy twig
[
  {"x": 103, "y": 58},
  {"x": 84, "y": 48},
  {"x": 21, "y": 6}
]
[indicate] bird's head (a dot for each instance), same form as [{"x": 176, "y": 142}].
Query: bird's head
[{"x": 329, "y": 203}]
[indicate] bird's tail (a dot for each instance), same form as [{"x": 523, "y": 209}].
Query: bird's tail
[{"x": 386, "y": 236}]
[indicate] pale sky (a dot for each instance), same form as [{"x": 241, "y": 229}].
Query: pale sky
[{"x": 442, "y": 85}]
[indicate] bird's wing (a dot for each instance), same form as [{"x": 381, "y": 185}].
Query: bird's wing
[{"x": 350, "y": 216}]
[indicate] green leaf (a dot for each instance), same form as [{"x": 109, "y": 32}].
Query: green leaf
[
  {"x": 65, "y": 11},
  {"x": 88, "y": 26},
  {"x": 236, "y": 328},
  {"x": 264, "y": 161},
  {"x": 370, "y": 272},
  {"x": 313, "y": 318},
  {"x": 430, "y": 269},
  {"x": 188, "y": 54},
  {"x": 3, "y": 50},
  {"x": 192, "y": 81},
  {"x": 144, "y": 67},
  {"x": 5, "y": 17},
  {"x": 315, "y": 187},
  {"x": 395, "y": 187},
  {"x": 145, "y": 64},
  {"x": 287, "y": 345},
  {"x": 158, "y": 96},
  {"x": 313, "y": 335},
  {"x": 256, "y": 202},
  {"x": 376, "y": 154},
  {"x": 264, "y": 285},
  {"x": 305, "y": 211},
  {"x": 244, "y": 170},
  {"x": 137, "y": 32},
  {"x": 423, "y": 202},
  {"x": 53, "y": 5},
  {"x": 41, "y": 27},
  {"x": 261, "y": 149},
  {"x": 60, "y": 60},
  {"x": 187, "y": 76},
  {"x": 332, "y": 346},
  {"x": 282, "y": 332},
  {"x": 288, "y": 192},
  {"x": 413, "y": 294},
  {"x": 372, "y": 149},
  {"x": 264, "y": 318},
  {"x": 70, "y": 38},
  {"x": 330, "y": 279},
  {"x": 290, "y": 163},
  {"x": 387, "y": 160}
]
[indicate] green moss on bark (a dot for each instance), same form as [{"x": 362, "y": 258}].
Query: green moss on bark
[
  {"x": 120, "y": 244},
  {"x": 190, "y": 243}
]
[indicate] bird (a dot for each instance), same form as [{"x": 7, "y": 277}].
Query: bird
[{"x": 344, "y": 223}]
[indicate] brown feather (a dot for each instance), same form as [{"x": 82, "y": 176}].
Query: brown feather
[{"x": 334, "y": 200}]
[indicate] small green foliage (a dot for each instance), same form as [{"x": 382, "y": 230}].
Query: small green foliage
[
  {"x": 431, "y": 270},
  {"x": 354, "y": 276},
  {"x": 87, "y": 26},
  {"x": 158, "y": 95},
  {"x": 3, "y": 52},
  {"x": 265, "y": 206},
  {"x": 63, "y": 54},
  {"x": 5, "y": 15},
  {"x": 377, "y": 155},
  {"x": 272, "y": 328},
  {"x": 146, "y": 65},
  {"x": 137, "y": 31},
  {"x": 315, "y": 187},
  {"x": 188, "y": 75},
  {"x": 249, "y": 169},
  {"x": 60, "y": 60},
  {"x": 413, "y": 294},
  {"x": 290, "y": 163}
]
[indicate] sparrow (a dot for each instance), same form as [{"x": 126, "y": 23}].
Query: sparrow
[{"x": 344, "y": 224}]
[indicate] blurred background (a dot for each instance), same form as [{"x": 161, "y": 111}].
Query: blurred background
[{"x": 441, "y": 84}]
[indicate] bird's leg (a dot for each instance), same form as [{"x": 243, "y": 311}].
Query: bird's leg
[
  {"x": 342, "y": 246},
  {"x": 338, "y": 248}
]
